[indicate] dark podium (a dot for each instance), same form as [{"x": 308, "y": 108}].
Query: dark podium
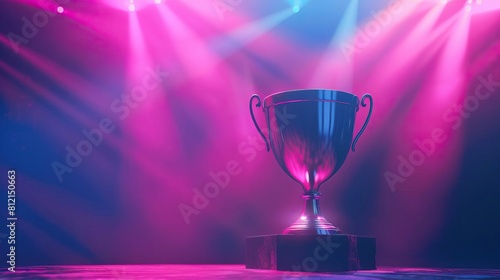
[{"x": 310, "y": 253}]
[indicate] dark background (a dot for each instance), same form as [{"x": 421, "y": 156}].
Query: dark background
[{"x": 121, "y": 203}]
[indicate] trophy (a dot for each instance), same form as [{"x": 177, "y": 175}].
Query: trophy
[{"x": 311, "y": 132}]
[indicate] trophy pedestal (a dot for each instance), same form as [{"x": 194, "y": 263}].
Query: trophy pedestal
[{"x": 312, "y": 253}]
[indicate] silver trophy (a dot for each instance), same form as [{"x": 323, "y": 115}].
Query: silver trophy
[{"x": 313, "y": 145}]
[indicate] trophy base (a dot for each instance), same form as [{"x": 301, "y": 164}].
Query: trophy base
[{"x": 311, "y": 253}]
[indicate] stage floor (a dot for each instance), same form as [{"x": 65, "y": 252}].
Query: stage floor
[{"x": 231, "y": 272}]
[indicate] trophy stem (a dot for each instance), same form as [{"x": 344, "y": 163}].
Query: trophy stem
[{"x": 311, "y": 221}]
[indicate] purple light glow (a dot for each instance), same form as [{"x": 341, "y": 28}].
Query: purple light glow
[{"x": 175, "y": 79}]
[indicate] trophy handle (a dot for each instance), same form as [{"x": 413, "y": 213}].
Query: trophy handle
[
  {"x": 366, "y": 121},
  {"x": 253, "y": 118}
]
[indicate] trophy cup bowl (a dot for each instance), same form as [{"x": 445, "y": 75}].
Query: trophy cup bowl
[{"x": 311, "y": 132}]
